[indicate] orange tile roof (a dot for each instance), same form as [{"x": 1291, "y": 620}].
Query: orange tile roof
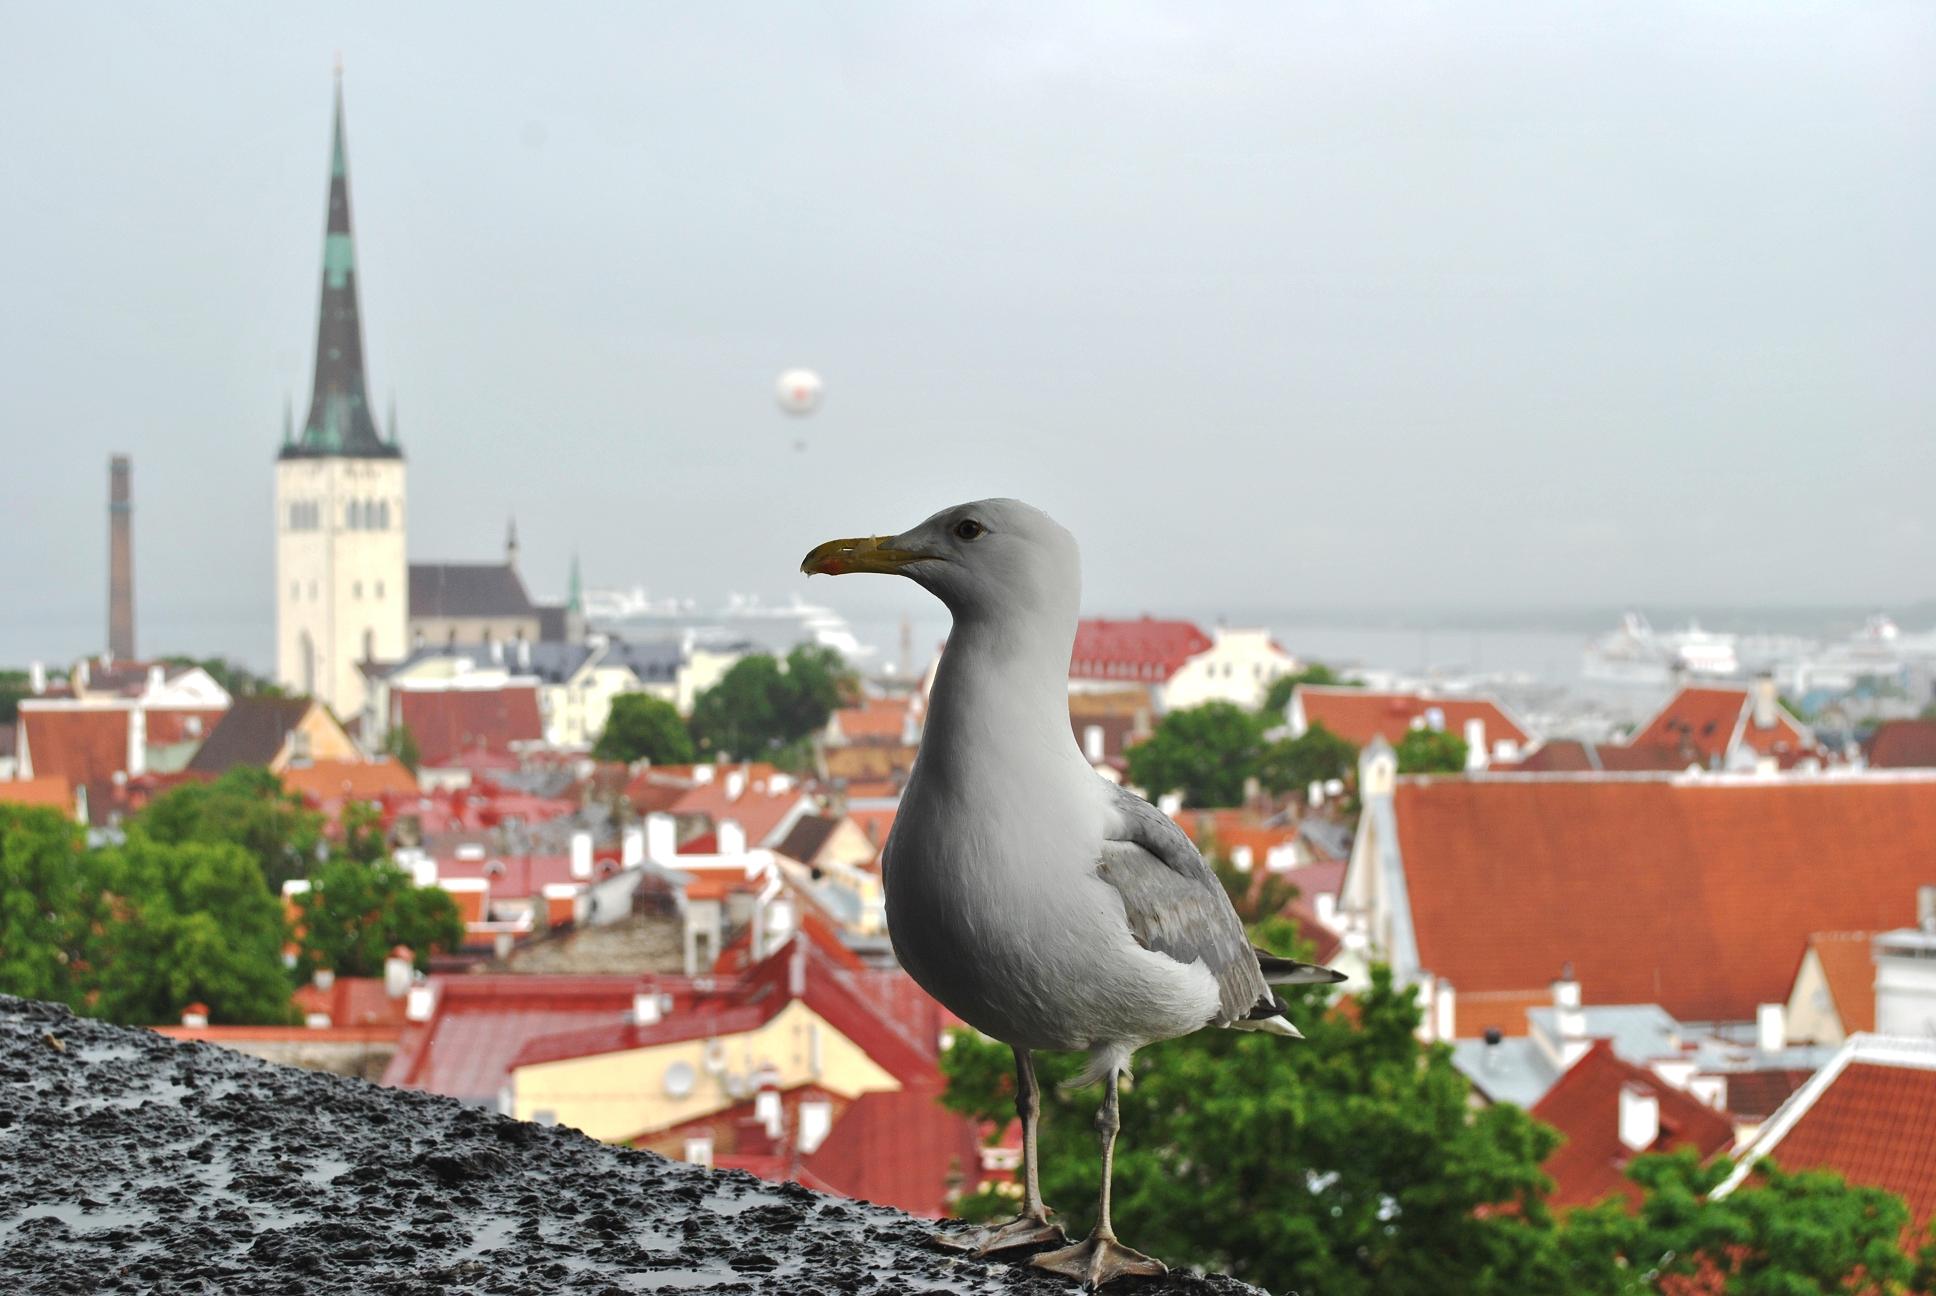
[
  {"x": 874, "y": 720},
  {"x": 450, "y": 723},
  {"x": 758, "y": 809},
  {"x": 51, "y": 791},
  {"x": 1703, "y": 721},
  {"x": 1874, "y": 1123},
  {"x": 1585, "y": 1106},
  {"x": 1569, "y": 755},
  {"x": 1848, "y": 965},
  {"x": 1903, "y": 744},
  {"x": 1697, "y": 894},
  {"x": 78, "y": 744},
  {"x": 1359, "y": 715},
  {"x": 327, "y": 781}
]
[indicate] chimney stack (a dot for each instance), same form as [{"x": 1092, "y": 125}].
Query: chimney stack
[
  {"x": 1766, "y": 701},
  {"x": 399, "y": 971},
  {"x": 1639, "y": 1117},
  {"x": 120, "y": 559}
]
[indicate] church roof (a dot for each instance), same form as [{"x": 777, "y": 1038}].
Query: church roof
[
  {"x": 467, "y": 590},
  {"x": 339, "y": 422}
]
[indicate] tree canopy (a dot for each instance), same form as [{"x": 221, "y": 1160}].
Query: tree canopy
[
  {"x": 355, "y": 912},
  {"x": 1279, "y": 694},
  {"x": 1430, "y": 751},
  {"x": 763, "y": 705},
  {"x": 643, "y": 727},
  {"x": 237, "y": 679},
  {"x": 249, "y": 807},
  {"x": 1315, "y": 756},
  {"x": 1205, "y": 752}
]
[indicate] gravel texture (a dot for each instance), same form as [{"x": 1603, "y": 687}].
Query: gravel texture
[{"x": 132, "y": 1163}]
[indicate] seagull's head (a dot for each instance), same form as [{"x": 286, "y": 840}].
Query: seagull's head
[{"x": 993, "y": 557}]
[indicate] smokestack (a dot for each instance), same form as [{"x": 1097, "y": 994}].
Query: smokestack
[{"x": 120, "y": 559}]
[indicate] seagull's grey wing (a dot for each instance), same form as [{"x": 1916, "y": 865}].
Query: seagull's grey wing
[{"x": 1176, "y": 906}]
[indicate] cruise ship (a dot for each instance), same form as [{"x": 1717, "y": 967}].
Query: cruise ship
[
  {"x": 742, "y": 619},
  {"x": 1638, "y": 654}
]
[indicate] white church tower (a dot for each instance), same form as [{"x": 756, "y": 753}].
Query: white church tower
[{"x": 342, "y": 584}]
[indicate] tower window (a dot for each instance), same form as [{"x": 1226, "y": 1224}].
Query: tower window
[
  {"x": 383, "y": 515},
  {"x": 356, "y": 589},
  {"x": 379, "y": 589}
]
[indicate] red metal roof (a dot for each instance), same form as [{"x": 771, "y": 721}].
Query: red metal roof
[
  {"x": 447, "y": 723},
  {"x": 902, "y": 1149},
  {"x": 1144, "y": 649},
  {"x": 1697, "y": 894},
  {"x": 1359, "y": 715},
  {"x": 481, "y": 1022},
  {"x": 1585, "y": 1107}
]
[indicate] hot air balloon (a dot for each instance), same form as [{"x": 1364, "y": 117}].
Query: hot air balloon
[{"x": 799, "y": 392}]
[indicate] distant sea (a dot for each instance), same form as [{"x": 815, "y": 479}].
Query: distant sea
[{"x": 1546, "y": 645}]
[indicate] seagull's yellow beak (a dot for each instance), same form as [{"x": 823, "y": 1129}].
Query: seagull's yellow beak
[{"x": 868, "y": 554}]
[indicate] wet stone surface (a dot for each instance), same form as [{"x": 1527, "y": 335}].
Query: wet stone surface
[{"x": 132, "y": 1163}]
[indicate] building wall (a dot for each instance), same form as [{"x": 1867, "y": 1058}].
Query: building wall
[
  {"x": 575, "y": 712},
  {"x": 434, "y": 631},
  {"x": 342, "y": 583},
  {"x": 616, "y": 1096},
  {"x": 1239, "y": 667},
  {"x": 327, "y": 742},
  {"x": 1811, "y": 1008}
]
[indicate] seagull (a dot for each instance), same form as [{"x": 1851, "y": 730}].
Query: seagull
[{"x": 1045, "y": 906}]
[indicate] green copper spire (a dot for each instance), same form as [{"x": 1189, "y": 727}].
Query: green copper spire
[
  {"x": 340, "y": 422},
  {"x": 575, "y": 596}
]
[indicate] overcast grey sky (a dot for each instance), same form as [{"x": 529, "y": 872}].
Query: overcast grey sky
[{"x": 1273, "y": 304}]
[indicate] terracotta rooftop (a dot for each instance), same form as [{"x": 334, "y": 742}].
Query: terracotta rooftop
[
  {"x": 1848, "y": 965},
  {"x": 1695, "y": 893},
  {"x": 1869, "y": 1115},
  {"x": 1585, "y": 1107},
  {"x": 1571, "y": 756},
  {"x": 51, "y": 791},
  {"x": 79, "y": 744},
  {"x": 447, "y": 723},
  {"x": 1359, "y": 715},
  {"x": 328, "y": 782},
  {"x": 1903, "y": 744},
  {"x": 1705, "y": 722}
]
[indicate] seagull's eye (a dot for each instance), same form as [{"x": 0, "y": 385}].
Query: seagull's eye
[{"x": 969, "y": 529}]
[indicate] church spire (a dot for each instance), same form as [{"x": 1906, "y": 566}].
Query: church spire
[{"x": 340, "y": 422}]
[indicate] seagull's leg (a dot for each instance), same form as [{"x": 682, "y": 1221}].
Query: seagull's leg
[
  {"x": 1100, "y": 1258},
  {"x": 1032, "y": 1226}
]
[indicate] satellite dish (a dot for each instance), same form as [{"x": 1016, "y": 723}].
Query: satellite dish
[
  {"x": 799, "y": 392},
  {"x": 679, "y": 1079}
]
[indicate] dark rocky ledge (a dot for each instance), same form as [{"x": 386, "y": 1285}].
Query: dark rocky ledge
[{"x": 131, "y": 1163}]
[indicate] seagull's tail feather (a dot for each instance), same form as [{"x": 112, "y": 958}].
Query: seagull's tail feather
[
  {"x": 1275, "y": 1025},
  {"x": 1284, "y": 971}
]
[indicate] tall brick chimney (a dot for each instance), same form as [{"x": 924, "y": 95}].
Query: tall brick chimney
[{"x": 120, "y": 560}]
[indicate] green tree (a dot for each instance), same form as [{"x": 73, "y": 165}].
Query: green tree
[
  {"x": 817, "y": 681},
  {"x": 354, "y": 913},
  {"x": 1315, "y": 756},
  {"x": 44, "y": 894},
  {"x": 249, "y": 807},
  {"x": 1776, "y": 1235},
  {"x": 1279, "y": 695},
  {"x": 14, "y": 685},
  {"x": 1348, "y": 1164},
  {"x": 1205, "y": 752},
  {"x": 401, "y": 745},
  {"x": 186, "y": 923},
  {"x": 643, "y": 727},
  {"x": 1430, "y": 751},
  {"x": 362, "y": 830}
]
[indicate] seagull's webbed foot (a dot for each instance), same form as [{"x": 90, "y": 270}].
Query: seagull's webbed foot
[
  {"x": 1021, "y": 1232},
  {"x": 1099, "y": 1259}
]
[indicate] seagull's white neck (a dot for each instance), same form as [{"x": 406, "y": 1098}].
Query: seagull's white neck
[{"x": 1003, "y": 687}]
